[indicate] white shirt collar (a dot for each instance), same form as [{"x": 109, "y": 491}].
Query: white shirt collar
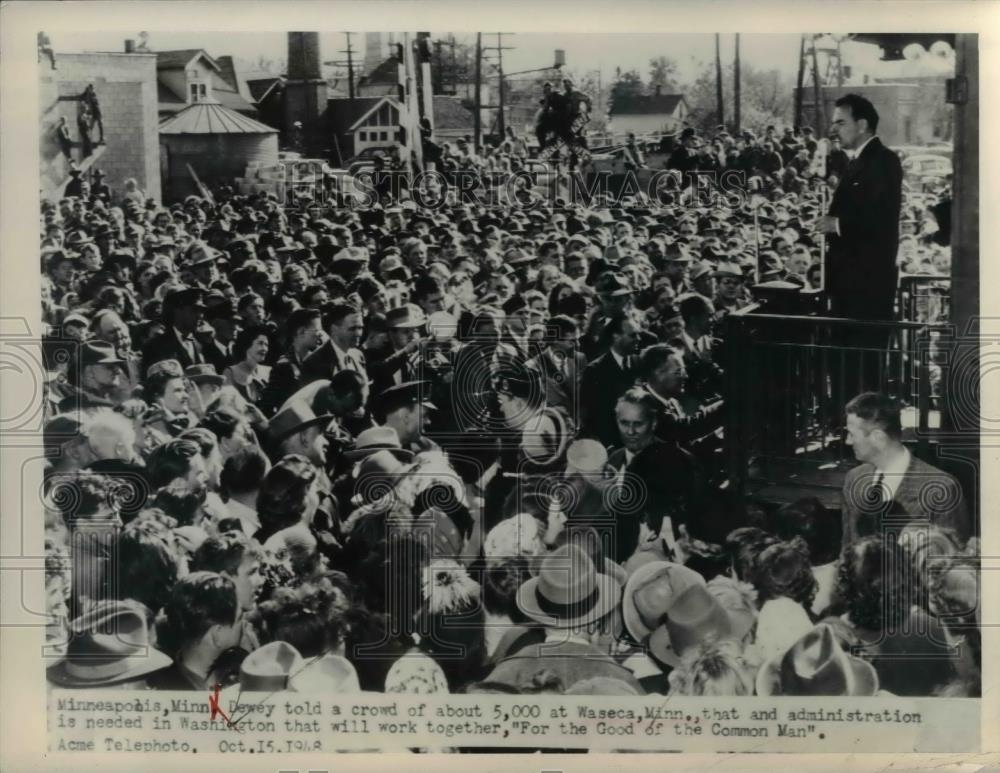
[
  {"x": 857, "y": 152},
  {"x": 892, "y": 474},
  {"x": 618, "y": 358},
  {"x": 247, "y": 515},
  {"x": 341, "y": 354},
  {"x": 897, "y": 466},
  {"x": 667, "y": 401}
]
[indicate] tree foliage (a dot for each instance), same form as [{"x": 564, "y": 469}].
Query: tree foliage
[
  {"x": 766, "y": 98},
  {"x": 663, "y": 73},
  {"x": 627, "y": 85}
]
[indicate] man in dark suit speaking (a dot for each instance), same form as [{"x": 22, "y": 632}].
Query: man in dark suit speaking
[
  {"x": 863, "y": 221},
  {"x": 862, "y": 228}
]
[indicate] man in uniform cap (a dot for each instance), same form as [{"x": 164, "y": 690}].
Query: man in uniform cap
[{"x": 405, "y": 408}]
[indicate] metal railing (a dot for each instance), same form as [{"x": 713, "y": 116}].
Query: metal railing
[{"x": 788, "y": 378}]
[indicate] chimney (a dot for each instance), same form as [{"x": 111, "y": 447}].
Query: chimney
[
  {"x": 658, "y": 87},
  {"x": 303, "y": 56},
  {"x": 129, "y": 46},
  {"x": 306, "y": 93}
]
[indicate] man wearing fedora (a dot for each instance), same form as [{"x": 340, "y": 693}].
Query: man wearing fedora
[
  {"x": 817, "y": 665},
  {"x": 543, "y": 433},
  {"x": 183, "y": 310},
  {"x": 109, "y": 647},
  {"x": 406, "y": 409},
  {"x": 95, "y": 377},
  {"x": 394, "y": 363},
  {"x": 615, "y": 297},
  {"x": 295, "y": 429},
  {"x": 577, "y": 607},
  {"x": 208, "y": 383}
]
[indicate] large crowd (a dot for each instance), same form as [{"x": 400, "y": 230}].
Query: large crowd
[{"x": 455, "y": 450}]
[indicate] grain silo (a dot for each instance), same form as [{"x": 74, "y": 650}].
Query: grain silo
[{"x": 217, "y": 143}]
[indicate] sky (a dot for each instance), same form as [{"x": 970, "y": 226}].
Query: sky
[{"x": 584, "y": 52}]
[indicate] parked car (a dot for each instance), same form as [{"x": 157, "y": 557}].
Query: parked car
[{"x": 927, "y": 165}]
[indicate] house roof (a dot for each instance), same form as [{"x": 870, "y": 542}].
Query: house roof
[
  {"x": 344, "y": 113},
  {"x": 227, "y": 69},
  {"x": 646, "y": 104},
  {"x": 225, "y": 81},
  {"x": 167, "y": 98},
  {"x": 212, "y": 118},
  {"x": 229, "y": 96},
  {"x": 385, "y": 73},
  {"x": 261, "y": 87},
  {"x": 179, "y": 59}
]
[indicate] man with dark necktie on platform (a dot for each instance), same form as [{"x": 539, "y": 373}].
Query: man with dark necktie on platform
[{"x": 890, "y": 482}]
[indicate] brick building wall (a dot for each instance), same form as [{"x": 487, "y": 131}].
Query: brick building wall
[{"x": 125, "y": 85}]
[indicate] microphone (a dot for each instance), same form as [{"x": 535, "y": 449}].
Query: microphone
[{"x": 822, "y": 151}]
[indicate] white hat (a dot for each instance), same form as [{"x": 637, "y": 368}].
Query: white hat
[
  {"x": 515, "y": 537},
  {"x": 780, "y": 624},
  {"x": 587, "y": 457},
  {"x": 416, "y": 674},
  {"x": 331, "y": 674}
]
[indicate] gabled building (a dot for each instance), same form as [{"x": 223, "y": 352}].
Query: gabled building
[
  {"x": 373, "y": 122},
  {"x": 648, "y": 113},
  {"x": 267, "y": 92},
  {"x": 188, "y": 76}
]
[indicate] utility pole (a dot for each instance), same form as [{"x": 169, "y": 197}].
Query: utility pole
[
  {"x": 350, "y": 67},
  {"x": 349, "y": 62},
  {"x": 502, "y": 122},
  {"x": 454, "y": 69},
  {"x": 438, "y": 80},
  {"x": 718, "y": 81},
  {"x": 820, "y": 118},
  {"x": 478, "y": 117},
  {"x": 736, "y": 86},
  {"x": 800, "y": 82}
]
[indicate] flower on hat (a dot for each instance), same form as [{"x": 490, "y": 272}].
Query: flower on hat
[
  {"x": 447, "y": 587},
  {"x": 517, "y": 536}
]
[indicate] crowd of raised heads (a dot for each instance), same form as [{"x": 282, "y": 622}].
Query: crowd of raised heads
[{"x": 338, "y": 450}]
